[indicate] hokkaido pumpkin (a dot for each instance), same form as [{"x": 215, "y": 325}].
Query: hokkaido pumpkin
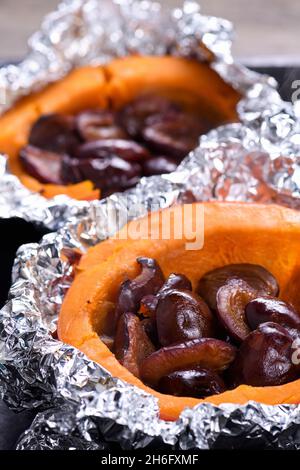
[
  {"x": 267, "y": 235},
  {"x": 193, "y": 85}
]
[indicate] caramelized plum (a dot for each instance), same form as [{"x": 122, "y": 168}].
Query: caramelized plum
[
  {"x": 264, "y": 358},
  {"x": 159, "y": 165},
  {"x": 174, "y": 281},
  {"x": 134, "y": 115},
  {"x": 131, "y": 345},
  {"x": 98, "y": 125},
  {"x": 173, "y": 134},
  {"x": 208, "y": 353},
  {"x": 45, "y": 166},
  {"x": 127, "y": 150},
  {"x": 232, "y": 299},
  {"x": 101, "y": 135},
  {"x": 256, "y": 276},
  {"x": 106, "y": 173},
  {"x": 271, "y": 309},
  {"x": 150, "y": 330},
  {"x": 180, "y": 323},
  {"x": 197, "y": 383},
  {"x": 182, "y": 316},
  {"x": 55, "y": 133},
  {"x": 132, "y": 291}
]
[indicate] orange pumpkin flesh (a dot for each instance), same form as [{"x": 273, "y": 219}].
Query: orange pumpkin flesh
[
  {"x": 193, "y": 85},
  {"x": 233, "y": 233},
  {"x": 81, "y": 89}
]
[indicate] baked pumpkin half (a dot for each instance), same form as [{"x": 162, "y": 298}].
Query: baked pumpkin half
[
  {"x": 217, "y": 322},
  {"x": 101, "y": 128}
]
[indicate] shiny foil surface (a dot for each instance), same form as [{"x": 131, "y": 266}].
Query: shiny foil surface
[{"x": 255, "y": 160}]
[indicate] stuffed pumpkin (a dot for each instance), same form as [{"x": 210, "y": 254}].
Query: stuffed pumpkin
[
  {"x": 219, "y": 323},
  {"x": 100, "y": 129}
]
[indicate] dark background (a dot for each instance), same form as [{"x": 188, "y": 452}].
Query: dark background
[{"x": 13, "y": 233}]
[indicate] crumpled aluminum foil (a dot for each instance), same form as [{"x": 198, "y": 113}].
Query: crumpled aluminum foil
[
  {"x": 256, "y": 160},
  {"x": 252, "y": 426},
  {"x": 86, "y": 407},
  {"x": 95, "y": 31}
]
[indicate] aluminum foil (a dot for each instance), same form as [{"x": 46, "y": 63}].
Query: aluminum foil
[
  {"x": 94, "y": 32},
  {"x": 256, "y": 160},
  {"x": 86, "y": 408}
]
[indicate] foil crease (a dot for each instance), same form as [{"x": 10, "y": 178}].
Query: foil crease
[
  {"x": 83, "y": 32},
  {"x": 252, "y": 426},
  {"x": 255, "y": 160}
]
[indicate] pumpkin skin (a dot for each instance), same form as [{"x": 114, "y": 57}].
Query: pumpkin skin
[
  {"x": 233, "y": 233},
  {"x": 188, "y": 82}
]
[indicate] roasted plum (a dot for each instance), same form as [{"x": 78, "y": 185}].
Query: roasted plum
[
  {"x": 132, "y": 291},
  {"x": 55, "y": 133},
  {"x": 133, "y": 116},
  {"x": 131, "y": 345},
  {"x": 186, "y": 350},
  {"x": 207, "y": 353},
  {"x": 271, "y": 309},
  {"x": 150, "y": 330},
  {"x": 232, "y": 299},
  {"x": 182, "y": 316},
  {"x": 112, "y": 149},
  {"x": 256, "y": 276},
  {"x": 98, "y": 125},
  {"x": 264, "y": 358},
  {"x": 127, "y": 150},
  {"x": 197, "y": 383},
  {"x": 174, "y": 134},
  {"x": 43, "y": 165},
  {"x": 106, "y": 173},
  {"x": 174, "y": 281}
]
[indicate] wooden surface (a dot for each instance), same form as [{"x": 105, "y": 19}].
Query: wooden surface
[{"x": 263, "y": 27}]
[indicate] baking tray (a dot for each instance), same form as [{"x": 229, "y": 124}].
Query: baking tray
[{"x": 15, "y": 232}]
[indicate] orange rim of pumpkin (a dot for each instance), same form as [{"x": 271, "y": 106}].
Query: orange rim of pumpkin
[
  {"x": 191, "y": 83},
  {"x": 233, "y": 233}
]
